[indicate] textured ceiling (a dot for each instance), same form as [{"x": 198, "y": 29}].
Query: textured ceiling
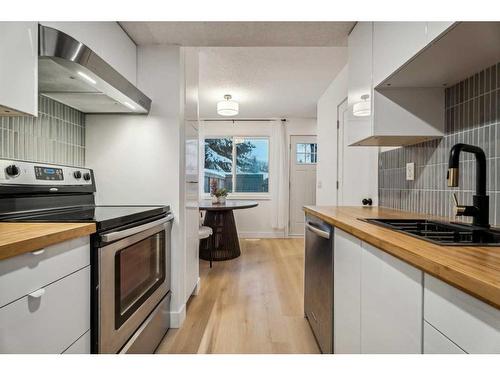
[
  {"x": 240, "y": 34},
  {"x": 268, "y": 82}
]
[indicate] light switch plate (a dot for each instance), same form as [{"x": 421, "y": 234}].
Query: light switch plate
[{"x": 410, "y": 171}]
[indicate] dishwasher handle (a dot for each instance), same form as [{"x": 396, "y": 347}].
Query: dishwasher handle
[{"x": 319, "y": 232}]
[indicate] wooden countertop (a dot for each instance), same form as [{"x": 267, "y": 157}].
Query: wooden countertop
[
  {"x": 473, "y": 269},
  {"x": 20, "y": 238}
]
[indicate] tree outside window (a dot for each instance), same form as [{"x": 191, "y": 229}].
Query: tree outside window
[{"x": 237, "y": 164}]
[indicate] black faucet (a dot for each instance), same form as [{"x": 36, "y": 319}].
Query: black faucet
[{"x": 480, "y": 208}]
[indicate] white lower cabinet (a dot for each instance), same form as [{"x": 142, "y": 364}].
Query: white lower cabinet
[
  {"x": 391, "y": 304},
  {"x": 437, "y": 343},
  {"x": 28, "y": 272},
  {"x": 80, "y": 346},
  {"x": 470, "y": 323},
  {"x": 49, "y": 319},
  {"x": 385, "y": 305},
  {"x": 346, "y": 293},
  {"x": 377, "y": 300},
  {"x": 45, "y": 300}
]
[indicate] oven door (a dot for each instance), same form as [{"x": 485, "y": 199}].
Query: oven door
[{"x": 134, "y": 275}]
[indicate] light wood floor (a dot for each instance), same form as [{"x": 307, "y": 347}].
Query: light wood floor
[{"x": 252, "y": 304}]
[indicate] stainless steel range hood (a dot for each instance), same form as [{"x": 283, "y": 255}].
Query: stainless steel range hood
[{"x": 71, "y": 73}]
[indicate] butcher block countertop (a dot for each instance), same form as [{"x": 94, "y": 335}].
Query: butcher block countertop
[
  {"x": 473, "y": 269},
  {"x": 20, "y": 238}
]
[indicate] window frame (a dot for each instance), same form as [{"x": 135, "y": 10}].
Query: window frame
[
  {"x": 305, "y": 153},
  {"x": 234, "y": 194}
]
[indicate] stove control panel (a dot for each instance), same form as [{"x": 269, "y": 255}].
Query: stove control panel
[
  {"x": 17, "y": 172},
  {"x": 50, "y": 174}
]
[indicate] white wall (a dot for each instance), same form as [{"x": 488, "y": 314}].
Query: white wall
[
  {"x": 326, "y": 189},
  {"x": 137, "y": 158},
  {"x": 360, "y": 170},
  {"x": 108, "y": 40},
  {"x": 257, "y": 222}
]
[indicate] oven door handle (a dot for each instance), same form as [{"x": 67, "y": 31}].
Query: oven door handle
[{"x": 118, "y": 235}]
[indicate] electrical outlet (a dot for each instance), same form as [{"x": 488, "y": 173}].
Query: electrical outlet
[{"x": 410, "y": 171}]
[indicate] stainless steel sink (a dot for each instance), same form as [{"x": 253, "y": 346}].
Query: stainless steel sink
[{"x": 442, "y": 233}]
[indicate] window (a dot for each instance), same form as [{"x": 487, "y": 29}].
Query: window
[
  {"x": 307, "y": 153},
  {"x": 239, "y": 164}
]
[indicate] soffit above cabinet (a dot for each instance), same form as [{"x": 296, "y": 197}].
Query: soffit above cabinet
[{"x": 465, "y": 49}]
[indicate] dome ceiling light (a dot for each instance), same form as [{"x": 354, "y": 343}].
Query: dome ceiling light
[
  {"x": 228, "y": 107},
  {"x": 362, "y": 108}
]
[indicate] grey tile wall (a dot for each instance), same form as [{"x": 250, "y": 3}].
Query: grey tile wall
[
  {"x": 472, "y": 109},
  {"x": 57, "y": 135}
]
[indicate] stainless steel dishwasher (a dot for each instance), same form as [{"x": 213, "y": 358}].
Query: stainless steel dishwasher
[{"x": 318, "y": 281}]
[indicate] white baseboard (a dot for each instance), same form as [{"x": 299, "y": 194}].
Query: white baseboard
[
  {"x": 261, "y": 235},
  {"x": 177, "y": 317}
]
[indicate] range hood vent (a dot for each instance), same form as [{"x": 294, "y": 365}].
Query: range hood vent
[{"x": 71, "y": 73}]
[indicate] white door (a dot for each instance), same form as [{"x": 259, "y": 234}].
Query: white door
[
  {"x": 357, "y": 166},
  {"x": 303, "y": 159}
]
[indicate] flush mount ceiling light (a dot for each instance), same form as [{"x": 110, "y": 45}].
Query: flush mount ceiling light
[
  {"x": 228, "y": 107},
  {"x": 362, "y": 109}
]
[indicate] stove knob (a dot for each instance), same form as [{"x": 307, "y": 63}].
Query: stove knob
[
  {"x": 86, "y": 176},
  {"x": 12, "y": 170},
  {"x": 77, "y": 174}
]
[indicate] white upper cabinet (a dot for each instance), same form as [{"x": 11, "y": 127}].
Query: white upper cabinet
[
  {"x": 435, "y": 29},
  {"x": 360, "y": 62},
  {"x": 360, "y": 87},
  {"x": 397, "y": 116},
  {"x": 107, "y": 40},
  {"x": 18, "y": 68},
  {"x": 394, "y": 43}
]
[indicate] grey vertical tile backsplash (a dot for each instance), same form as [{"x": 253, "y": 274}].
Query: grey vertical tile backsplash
[
  {"x": 472, "y": 115},
  {"x": 57, "y": 135}
]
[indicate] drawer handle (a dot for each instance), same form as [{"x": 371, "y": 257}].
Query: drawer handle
[
  {"x": 38, "y": 252},
  {"x": 37, "y": 293}
]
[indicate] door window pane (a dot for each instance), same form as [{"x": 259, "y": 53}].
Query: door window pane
[
  {"x": 218, "y": 163},
  {"x": 306, "y": 153},
  {"x": 252, "y": 165}
]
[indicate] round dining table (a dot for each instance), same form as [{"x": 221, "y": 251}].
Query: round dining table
[{"x": 223, "y": 244}]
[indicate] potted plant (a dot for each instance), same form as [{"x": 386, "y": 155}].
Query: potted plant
[
  {"x": 213, "y": 189},
  {"x": 221, "y": 195}
]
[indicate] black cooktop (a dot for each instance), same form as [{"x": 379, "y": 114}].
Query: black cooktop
[{"x": 105, "y": 217}]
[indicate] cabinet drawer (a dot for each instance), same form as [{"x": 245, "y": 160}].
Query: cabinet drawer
[
  {"x": 80, "y": 346},
  {"x": 473, "y": 325},
  {"x": 51, "y": 322},
  {"x": 437, "y": 343},
  {"x": 28, "y": 272}
]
